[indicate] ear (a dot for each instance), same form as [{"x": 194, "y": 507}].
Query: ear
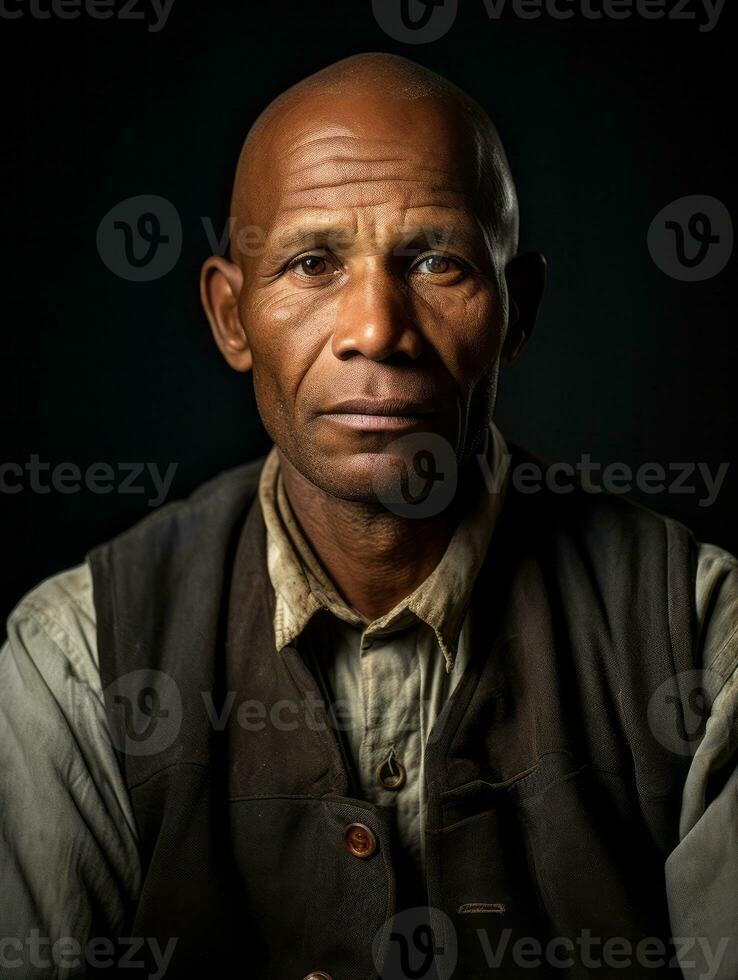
[
  {"x": 221, "y": 282},
  {"x": 526, "y": 280}
]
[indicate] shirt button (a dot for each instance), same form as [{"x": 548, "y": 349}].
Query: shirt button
[
  {"x": 318, "y": 975},
  {"x": 391, "y": 774},
  {"x": 360, "y": 840}
]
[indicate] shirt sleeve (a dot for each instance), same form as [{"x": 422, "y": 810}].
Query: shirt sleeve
[
  {"x": 702, "y": 871},
  {"x": 69, "y": 863}
]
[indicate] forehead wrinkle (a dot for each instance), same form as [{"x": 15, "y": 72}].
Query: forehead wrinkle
[
  {"x": 382, "y": 179},
  {"x": 432, "y": 205},
  {"x": 423, "y": 160},
  {"x": 360, "y": 182},
  {"x": 303, "y": 209},
  {"x": 426, "y": 155},
  {"x": 390, "y": 89},
  {"x": 363, "y": 200},
  {"x": 358, "y": 161},
  {"x": 299, "y": 235},
  {"x": 465, "y": 219},
  {"x": 455, "y": 200},
  {"x": 356, "y": 171},
  {"x": 318, "y": 147},
  {"x": 317, "y": 233},
  {"x": 314, "y": 222}
]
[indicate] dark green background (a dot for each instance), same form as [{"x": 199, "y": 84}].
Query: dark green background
[{"x": 605, "y": 123}]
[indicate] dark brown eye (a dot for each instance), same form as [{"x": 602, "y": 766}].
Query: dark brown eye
[
  {"x": 436, "y": 265},
  {"x": 312, "y": 265}
]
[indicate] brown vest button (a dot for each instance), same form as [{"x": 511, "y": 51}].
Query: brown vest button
[
  {"x": 318, "y": 975},
  {"x": 360, "y": 840}
]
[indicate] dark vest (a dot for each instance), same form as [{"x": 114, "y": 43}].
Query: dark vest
[{"x": 553, "y": 799}]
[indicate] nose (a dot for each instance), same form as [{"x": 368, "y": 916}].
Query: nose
[{"x": 375, "y": 318}]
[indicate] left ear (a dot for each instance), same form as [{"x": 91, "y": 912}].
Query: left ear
[{"x": 526, "y": 279}]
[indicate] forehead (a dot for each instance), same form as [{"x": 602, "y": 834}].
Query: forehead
[{"x": 333, "y": 153}]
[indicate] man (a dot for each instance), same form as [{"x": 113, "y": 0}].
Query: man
[{"x": 363, "y": 708}]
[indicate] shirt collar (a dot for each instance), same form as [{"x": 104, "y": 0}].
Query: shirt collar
[{"x": 302, "y": 586}]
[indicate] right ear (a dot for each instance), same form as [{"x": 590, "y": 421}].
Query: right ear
[{"x": 221, "y": 282}]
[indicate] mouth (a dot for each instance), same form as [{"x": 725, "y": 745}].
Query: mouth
[{"x": 379, "y": 415}]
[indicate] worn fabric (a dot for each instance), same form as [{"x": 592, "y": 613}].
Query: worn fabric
[
  {"x": 388, "y": 678},
  {"x": 76, "y": 878}
]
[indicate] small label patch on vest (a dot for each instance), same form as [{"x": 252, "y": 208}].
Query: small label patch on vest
[{"x": 496, "y": 907}]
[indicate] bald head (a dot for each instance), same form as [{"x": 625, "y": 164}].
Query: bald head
[{"x": 388, "y": 99}]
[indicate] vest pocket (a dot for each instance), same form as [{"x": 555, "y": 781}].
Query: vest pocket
[
  {"x": 481, "y": 866},
  {"x": 555, "y": 856}
]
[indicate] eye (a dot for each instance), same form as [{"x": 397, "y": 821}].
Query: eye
[
  {"x": 440, "y": 266},
  {"x": 313, "y": 266}
]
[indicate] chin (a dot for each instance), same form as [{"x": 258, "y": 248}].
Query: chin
[
  {"x": 395, "y": 479},
  {"x": 358, "y": 477},
  {"x": 384, "y": 469}
]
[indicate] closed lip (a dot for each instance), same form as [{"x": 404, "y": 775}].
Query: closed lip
[{"x": 390, "y": 407}]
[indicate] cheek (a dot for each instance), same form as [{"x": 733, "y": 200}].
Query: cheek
[
  {"x": 468, "y": 329},
  {"x": 287, "y": 332}
]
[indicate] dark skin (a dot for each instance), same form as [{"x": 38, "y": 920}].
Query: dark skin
[{"x": 366, "y": 265}]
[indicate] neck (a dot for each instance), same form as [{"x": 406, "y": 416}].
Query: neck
[{"x": 374, "y": 558}]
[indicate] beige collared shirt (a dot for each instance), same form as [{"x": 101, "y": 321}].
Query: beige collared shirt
[{"x": 390, "y": 677}]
